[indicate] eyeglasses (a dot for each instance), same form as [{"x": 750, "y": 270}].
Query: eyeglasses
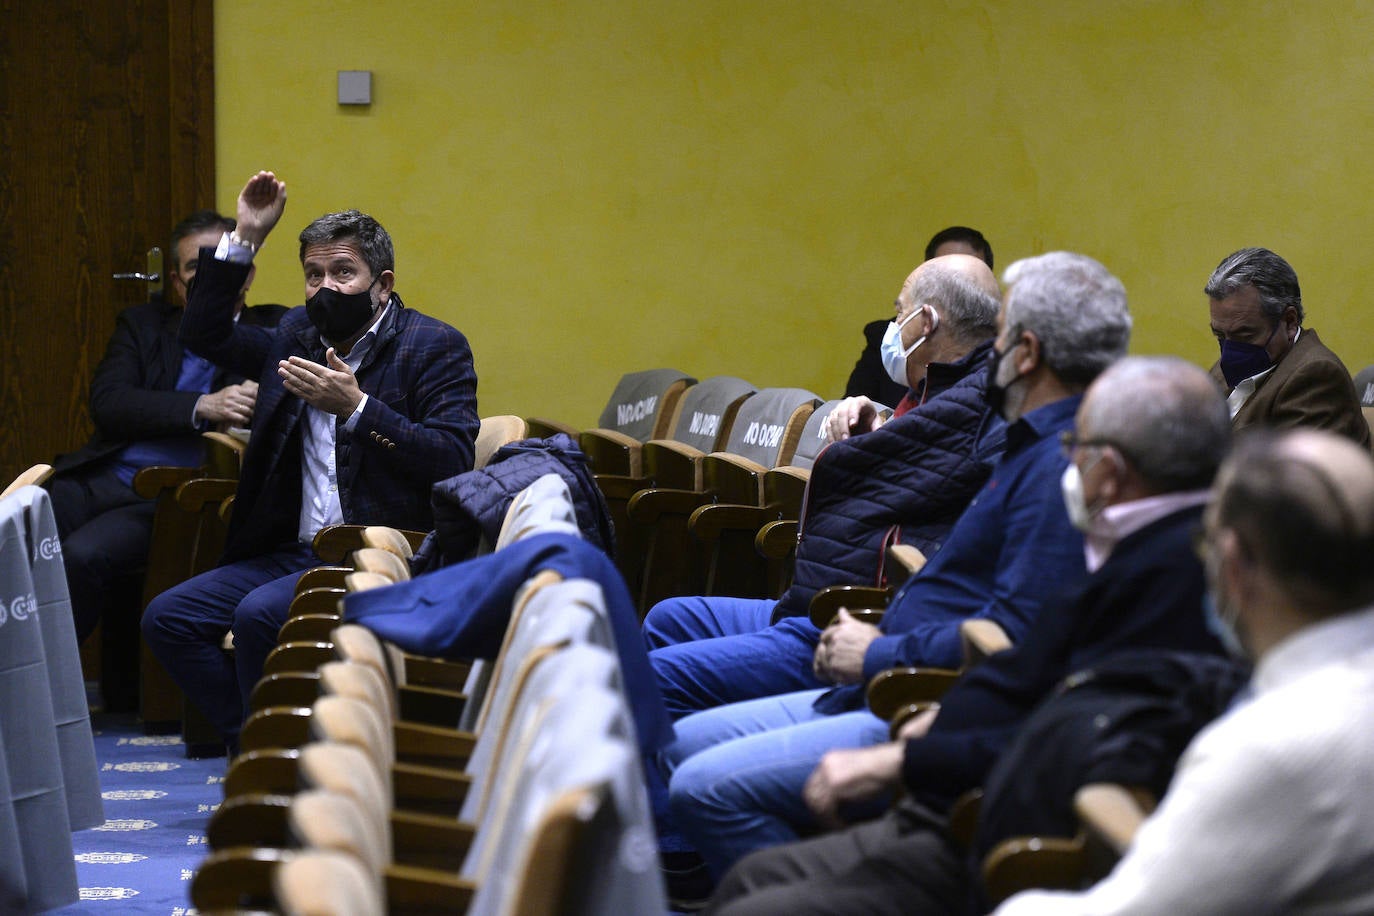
[{"x": 1069, "y": 440}]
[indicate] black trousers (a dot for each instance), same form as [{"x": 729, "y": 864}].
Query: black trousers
[
  {"x": 105, "y": 529},
  {"x": 901, "y": 864}
]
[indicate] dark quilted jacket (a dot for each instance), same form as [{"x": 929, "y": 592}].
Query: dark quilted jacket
[
  {"x": 473, "y": 505},
  {"x": 906, "y": 482}
]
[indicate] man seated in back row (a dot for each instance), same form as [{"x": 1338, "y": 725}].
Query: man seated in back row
[
  {"x": 150, "y": 400},
  {"x": 363, "y": 404},
  {"x": 1276, "y": 372}
]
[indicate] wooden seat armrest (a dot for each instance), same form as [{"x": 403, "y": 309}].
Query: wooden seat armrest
[
  {"x": 151, "y": 481},
  {"x": 903, "y": 562},
  {"x": 738, "y": 479},
  {"x": 237, "y": 879},
  {"x": 904, "y": 714},
  {"x": 429, "y": 840},
  {"x": 333, "y": 543},
  {"x": 826, "y": 603},
  {"x": 250, "y": 819},
  {"x": 671, "y": 463},
  {"x": 707, "y": 522},
  {"x": 776, "y": 540},
  {"x": 544, "y": 427},
  {"x": 1112, "y": 813},
  {"x": 894, "y": 688},
  {"x": 429, "y": 705},
  {"x": 274, "y": 771},
  {"x": 286, "y": 688},
  {"x": 963, "y": 818},
  {"x": 1025, "y": 862},
  {"x": 621, "y": 486},
  {"x": 647, "y": 506},
  {"x": 323, "y": 577},
  {"x": 196, "y": 492},
  {"x": 433, "y": 746},
  {"x": 609, "y": 451},
  {"x": 317, "y": 601},
  {"x": 439, "y": 673},
  {"x": 426, "y": 890},
  {"x": 433, "y": 790},
  {"x": 34, "y": 476},
  {"x": 981, "y": 638}
]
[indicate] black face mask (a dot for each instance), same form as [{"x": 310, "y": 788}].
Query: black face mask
[
  {"x": 995, "y": 394},
  {"x": 339, "y": 316}
]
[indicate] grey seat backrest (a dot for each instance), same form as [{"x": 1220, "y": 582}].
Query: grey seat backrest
[
  {"x": 813, "y": 436},
  {"x": 1364, "y": 386},
  {"x": 639, "y": 400},
  {"x": 769, "y": 425},
  {"x": 707, "y": 409}
]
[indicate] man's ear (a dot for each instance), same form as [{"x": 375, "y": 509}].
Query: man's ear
[
  {"x": 1029, "y": 359},
  {"x": 385, "y": 284}
]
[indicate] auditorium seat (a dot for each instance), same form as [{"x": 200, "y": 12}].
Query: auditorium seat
[
  {"x": 729, "y": 530},
  {"x": 701, "y": 423},
  {"x": 764, "y": 434},
  {"x": 641, "y": 408}
]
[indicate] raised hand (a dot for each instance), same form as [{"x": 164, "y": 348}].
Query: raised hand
[{"x": 260, "y": 206}]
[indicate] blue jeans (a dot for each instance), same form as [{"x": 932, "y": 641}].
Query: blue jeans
[
  {"x": 736, "y": 772},
  {"x": 185, "y": 625},
  {"x": 711, "y": 651}
]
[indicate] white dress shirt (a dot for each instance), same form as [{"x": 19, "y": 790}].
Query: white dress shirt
[
  {"x": 320, "y": 504},
  {"x": 1271, "y": 808}
]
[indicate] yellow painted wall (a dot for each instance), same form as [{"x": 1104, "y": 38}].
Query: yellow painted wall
[{"x": 736, "y": 186}]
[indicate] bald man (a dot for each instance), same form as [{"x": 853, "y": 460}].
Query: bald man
[
  {"x": 909, "y": 346},
  {"x": 870, "y": 376},
  {"x": 916, "y": 477},
  {"x": 1269, "y": 810}
]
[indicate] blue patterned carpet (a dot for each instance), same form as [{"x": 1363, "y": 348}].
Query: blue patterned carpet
[{"x": 157, "y": 803}]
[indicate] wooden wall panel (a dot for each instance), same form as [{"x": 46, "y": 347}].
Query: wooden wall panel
[{"x": 106, "y": 139}]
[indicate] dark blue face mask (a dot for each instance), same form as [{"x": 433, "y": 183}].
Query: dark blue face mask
[{"x": 1240, "y": 360}]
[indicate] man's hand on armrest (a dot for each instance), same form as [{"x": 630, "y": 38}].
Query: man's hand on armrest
[
  {"x": 232, "y": 404},
  {"x": 852, "y": 417}
]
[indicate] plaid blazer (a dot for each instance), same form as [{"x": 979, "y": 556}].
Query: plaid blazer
[{"x": 418, "y": 427}]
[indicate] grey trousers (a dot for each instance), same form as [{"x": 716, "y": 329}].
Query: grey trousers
[{"x": 902, "y": 864}]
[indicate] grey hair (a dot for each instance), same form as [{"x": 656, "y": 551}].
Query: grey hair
[
  {"x": 970, "y": 311},
  {"x": 1304, "y": 512},
  {"x": 1271, "y": 276},
  {"x": 373, "y": 242},
  {"x": 1165, "y": 416},
  {"x": 1075, "y": 308}
]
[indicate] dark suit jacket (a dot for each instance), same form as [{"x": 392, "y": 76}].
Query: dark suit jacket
[
  {"x": 869, "y": 378},
  {"x": 419, "y": 425},
  {"x": 1148, "y": 594},
  {"x": 1310, "y": 386},
  {"x": 133, "y": 396}
]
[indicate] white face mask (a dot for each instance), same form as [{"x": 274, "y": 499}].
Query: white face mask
[
  {"x": 1071, "y": 485},
  {"x": 893, "y": 356}
]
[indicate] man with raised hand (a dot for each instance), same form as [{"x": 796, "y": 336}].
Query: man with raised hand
[{"x": 362, "y": 405}]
